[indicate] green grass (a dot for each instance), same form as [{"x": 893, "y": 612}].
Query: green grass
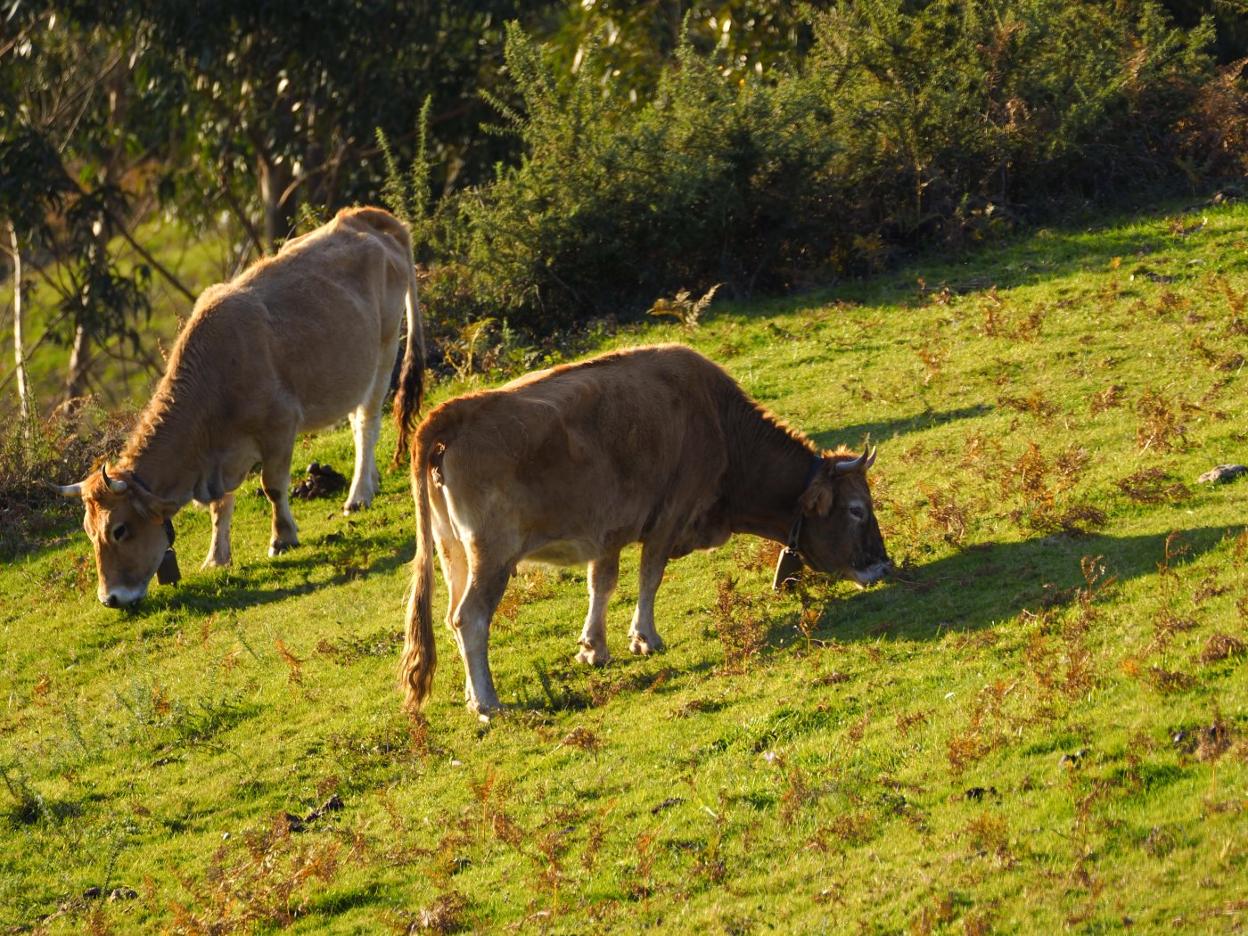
[{"x": 993, "y": 741}]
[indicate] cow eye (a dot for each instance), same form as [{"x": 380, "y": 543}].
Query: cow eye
[
  {"x": 857, "y": 513},
  {"x": 120, "y": 532}
]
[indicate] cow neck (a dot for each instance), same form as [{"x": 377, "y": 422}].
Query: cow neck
[
  {"x": 769, "y": 474},
  {"x": 161, "y": 449}
]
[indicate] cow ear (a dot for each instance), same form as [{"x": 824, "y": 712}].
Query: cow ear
[
  {"x": 156, "y": 508},
  {"x": 817, "y": 500}
]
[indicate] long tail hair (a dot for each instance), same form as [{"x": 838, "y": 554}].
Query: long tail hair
[
  {"x": 420, "y": 657},
  {"x": 412, "y": 377}
]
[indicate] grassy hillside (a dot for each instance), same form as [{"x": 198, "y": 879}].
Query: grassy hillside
[{"x": 1041, "y": 723}]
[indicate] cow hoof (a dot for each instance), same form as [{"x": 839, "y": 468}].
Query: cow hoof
[
  {"x": 356, "y": 505},
  {"x": 276, "y": 548},
  {"x": 640, "y": 645},
  {"x": 587, "y": 654},
  {"x": 485, "y": 713},
  {"x": 215, "y": 562}
]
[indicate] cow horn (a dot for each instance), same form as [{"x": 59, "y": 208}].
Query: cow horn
[
  {"x": 845, "y": 466},
  {"x": 69, "y": 490},
  {"x": 861, "y": 463},
  {"x": 117, "y": 487}
]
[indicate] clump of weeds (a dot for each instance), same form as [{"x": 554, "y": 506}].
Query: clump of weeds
[
  {"x": 1059, "y": 655},
  {"x": 294, "y": 665},
  {"x": 1221, "y": 647},
  {"x": 988, "y": 834},
  {"x": 446, "y": 913},
  {"x": 1033, "y": 404},
  {"x": 739, "y": 624},
  {"x": 641, "y": 879},
  {"x": 933, "y": 358},
  {"x": 1041, "y": 484},
  {"x": 945, "y": 514},
  {"x": 265, "y": 882},
  {"x": 1109, "y": 398},
  {"x": 1161, "y": 428},
  {"x": 1152, "y": 486}
]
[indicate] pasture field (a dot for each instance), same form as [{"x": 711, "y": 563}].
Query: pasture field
[{"x": 1040, "y": 724}]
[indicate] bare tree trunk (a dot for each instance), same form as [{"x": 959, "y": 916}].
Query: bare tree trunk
[
  {"x": 79, "y": 360},
  {"x": 26, "y": 403},
  {"x": 278, "y": 215}
]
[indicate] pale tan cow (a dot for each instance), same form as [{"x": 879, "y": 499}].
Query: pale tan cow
[
  {"x": 297, "y": 342},
  {"x": 569, "y": 465}
]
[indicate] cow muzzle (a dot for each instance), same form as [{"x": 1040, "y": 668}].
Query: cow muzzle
[
  {"x": 868, "y": 576},
  {"x": 121, "y": 597}
]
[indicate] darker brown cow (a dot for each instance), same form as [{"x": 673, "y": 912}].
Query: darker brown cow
[
  {"x": 297, "y": 342},
  {"x": 569, "y": 465}
]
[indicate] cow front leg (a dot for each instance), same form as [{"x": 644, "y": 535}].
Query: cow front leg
[
  {"x": 275, "y": 477},
  {"x": 642, "y": 635},
  {"x": 222, "y": 512},
  {"x": 603, "y": 575},
  {"x": 472, "y": 625}
]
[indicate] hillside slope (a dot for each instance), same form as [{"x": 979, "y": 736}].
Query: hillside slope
[{"x": 1041, "y": 723}]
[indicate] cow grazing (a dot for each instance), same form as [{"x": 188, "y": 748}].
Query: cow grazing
[
  {"x": 569, "y": 465},
  {"x": 296, "y": 342}
]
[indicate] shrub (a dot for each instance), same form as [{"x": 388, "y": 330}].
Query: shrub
[
  {"x": 60, "y": 449},
  {"x": 614, "y": 205},
  {"x": 905, "y": 124}
]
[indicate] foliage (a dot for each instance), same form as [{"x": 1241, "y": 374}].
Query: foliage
[
  {"x": 61, "y": 449},
  {"x": 71, "y": 176},
  {"x": 683, "y": 307},
  {"x": 279, "y": 102},
  {"x": 961, "y": 110},
  {"x": 772, "y": 147},
  {"x": 945, "y": 122},
  {"x": 632, "y": 41},
  {"x": 613, "y": 205}
]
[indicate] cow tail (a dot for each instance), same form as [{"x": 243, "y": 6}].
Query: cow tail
[
  {"x": 412, "y": 376},
  {"x": 419, "y": 653}
]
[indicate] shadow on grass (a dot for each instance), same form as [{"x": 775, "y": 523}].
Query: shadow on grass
[
  {"x": 885, "y": 429},
  {"x": 566, "y": 686},
  {"x": 992, "y": 582},
  {"x": 1030, "y": 255},
  {"x": 258, "y": 583}
]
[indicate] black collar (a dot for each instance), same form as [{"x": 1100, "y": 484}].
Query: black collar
[
  {"x": 795, "y": 529},
  {"x": 789, "y": 562}
]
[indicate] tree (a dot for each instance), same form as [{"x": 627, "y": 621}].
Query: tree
[
  {"x": 280, "y": 102},
  {"x": 68, "y": 187},
  {"x": 635, "y": 39}
]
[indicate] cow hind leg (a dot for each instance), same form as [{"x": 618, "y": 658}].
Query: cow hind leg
[
  {"x": 222, "y": 512},
  {"x": 366, "y": 427},
  {"x": 454, "y": 564},
  {"x": 472, "y": 626},
  {"x": 275, "y": 477},
  {"x": 603, "y": 575},
  {"x": 642, "y": 635}
]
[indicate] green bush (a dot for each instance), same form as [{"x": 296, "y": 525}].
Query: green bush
[
  {"x": 1015, "y": 105},
  {"x": 904, "y": 125},
  {"x": 59, "y": 449}
]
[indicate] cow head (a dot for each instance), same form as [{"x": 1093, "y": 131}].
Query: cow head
[
  {"x": 128, "y": 528},
  {"x": 838, "y": 533}
]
